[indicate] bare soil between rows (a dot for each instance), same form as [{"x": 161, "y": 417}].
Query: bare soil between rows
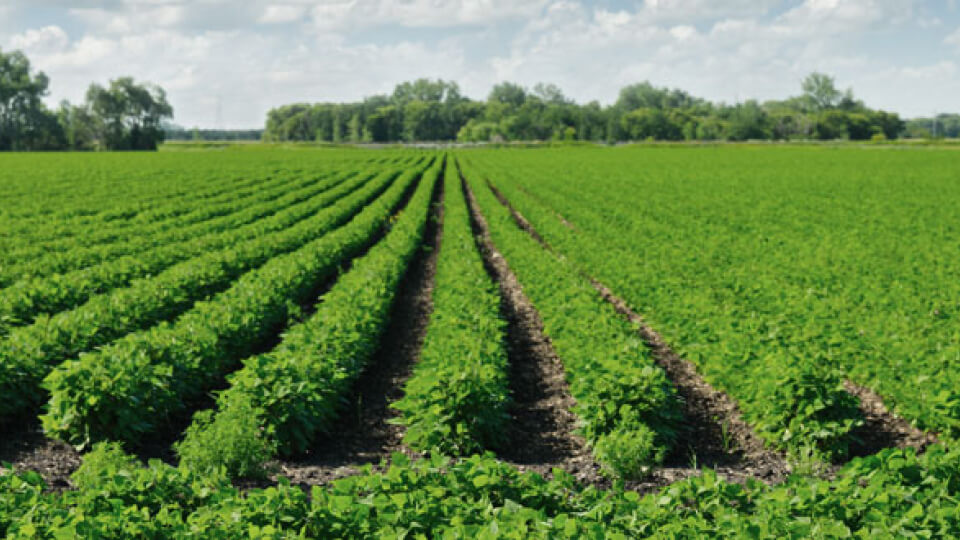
[
  {"x": 714, "y": 420},
  {"x": 24, "y": 445},
  {"x": 363, "y": 434},
  {"x": 883, "y": 429},
  {"x": 26, "y": 448},
  {"x": 543, "y": 428},
  {"x": 714, "y": 433}
]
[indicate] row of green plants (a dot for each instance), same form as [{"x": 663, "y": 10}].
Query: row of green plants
[
  {"x": 800, "y": 406},
  {"x": 28, "y": 353},
  {"x": 279, "y": 401},
  {"x": 131, "y": 387},
  {"x": 40, "y": 260},
  {"x": 20, "y": 248},
  {"x": 893, "y": 494},
  {"x": 25, "y": 300},
  {"x": 82, "y": 211},
  {"x": 32, "y": 258},
  {"x": 628, "y": 408},
  {"x": 94, "y": 198},
  {"x": 193, "y": 209},
  {"x": 794, "y": 278},
  {"x": 455, "y": 402}
]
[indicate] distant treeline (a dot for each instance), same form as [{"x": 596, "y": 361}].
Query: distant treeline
[
  {"x": 126, "y": 115},
  {"x": 121, "y": 116},
  {"x": 178, "y": 133},
  {"x": 426, "y": 110},
  {"x": 940, "y": 126}
]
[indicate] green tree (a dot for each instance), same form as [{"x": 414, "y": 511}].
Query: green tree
[
  {"x": 77, "y": 125},
  {"x": 509, "y": 94},
  {"x": 831, "y": 125},
  {"x": 820, "y": 91},
  {"x": 859, "y": 127},
  {"x": 384, "y": 124},
  {"x": 648, "y": 123},
  {"x": 427, "y": 90},
  {"x": 892, "y": 126},
  {"x": 354, "y": 128},
  {"x": 421, "y": 121},
  {"x": 25, "y": 122},
  {"x": 127, "y": 115},
  {"x": 550, "y": 94},
  {"x": 748, "y": 121},
  {"x": 646, "y": 96}
]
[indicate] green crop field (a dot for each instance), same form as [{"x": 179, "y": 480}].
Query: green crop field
[{"x": 572, "y": 341}]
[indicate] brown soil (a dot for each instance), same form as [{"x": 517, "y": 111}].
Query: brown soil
[
  {"x": 518, "y": 217},
  {"x": 542, "y": 433},
  {"x": 715, "y": 434},
  {"x": 26, "y": 449},
  {"x": 363, "y": 434},
  {"x": 883, "y": 429}
]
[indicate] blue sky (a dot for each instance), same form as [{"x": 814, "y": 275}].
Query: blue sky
[{"x": 242, "y": 58}]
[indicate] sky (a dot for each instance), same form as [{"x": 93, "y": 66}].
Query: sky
[{"x": 225, "y": 63}]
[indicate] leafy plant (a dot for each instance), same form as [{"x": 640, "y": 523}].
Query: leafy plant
[{"x": 456, "y": 400}]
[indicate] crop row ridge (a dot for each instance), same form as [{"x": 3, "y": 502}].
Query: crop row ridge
[
  {"x": 363, "y": 433},
  {"x": 543, "y": 425}
]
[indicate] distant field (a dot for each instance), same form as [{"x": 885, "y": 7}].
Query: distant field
[{"x": 741, "y": 340}]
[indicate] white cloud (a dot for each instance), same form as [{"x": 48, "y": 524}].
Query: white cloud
[
  {"x": 940, "y": 71},
  {"x": 838, "y": 16},
  {"x": 343, "y": 15},
  {"x": 134, "y": 19},
  {"x": 683, "y": 32},
  {"x": 953, "y": 39},
  {"x": 282, "y": 13},
  {"x": 687, "y": 10},
  {"x": 43, "y": 40}
]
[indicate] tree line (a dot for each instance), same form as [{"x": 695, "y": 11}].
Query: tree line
[
  {"x": 126, "y": 115},
  {"x": 435, "y": 110},
  {"x": 943, "y": 125},
  {"x": 123, "y": 115}
]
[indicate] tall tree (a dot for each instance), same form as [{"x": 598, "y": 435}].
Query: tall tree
[
  {"x": 509, "y": 94},
  {"x": 128, "y": 115},
  {"x": 25, "y": 122},
  {"x": 821, "y": 92}
]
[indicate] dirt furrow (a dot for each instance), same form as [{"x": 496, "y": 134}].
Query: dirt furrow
[
  {"x": 715, "y": 433},
  {"x": 883, "y": 429},
  {"x": 542, "y": 434},
  {"x": 26, "y": 448},
  {"x": 364, "y": 434}
]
